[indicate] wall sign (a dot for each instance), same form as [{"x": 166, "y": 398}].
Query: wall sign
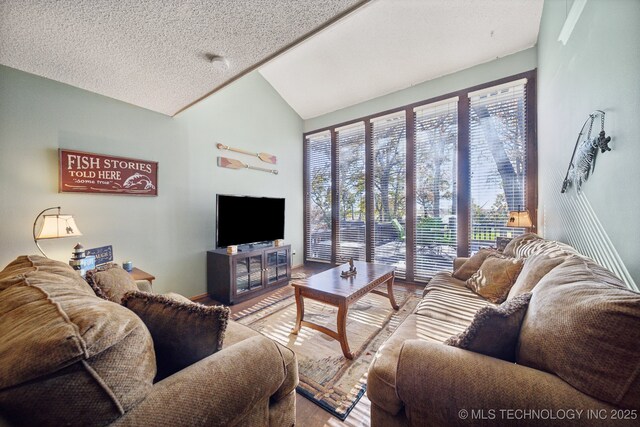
[
  {"x": 82, "y": 172},
  {"x": 103, "y": 254}
]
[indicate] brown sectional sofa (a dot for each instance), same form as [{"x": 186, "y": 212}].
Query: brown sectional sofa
[
  {"x": 68, "y": 357},
  {"x": 577, "y": 356}
]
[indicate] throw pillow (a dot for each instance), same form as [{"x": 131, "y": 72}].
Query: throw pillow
[
  {"x": 472, "y": 265},
  {"x": 583, "y": 327},
  {"x": 494, "y": 330},
  {"x": 183, "y": 332},
  {"x": 535, "y": 268},
  {"x": 111, "y": 282},
  {"x": 517, "y": 242},
  {"x": 495, "y": 277}
]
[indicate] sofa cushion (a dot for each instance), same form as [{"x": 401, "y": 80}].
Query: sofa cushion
[
  {"x": 582, "y": 325},
  {"x": 535, "y": 268},
  {"x": 472, "y": 264},
  {"x": 66, "y": 356},
  {"x": 495, "y": 278},
  {"x": 530, "y": 243},
  {"x": 381, "y": 380},
  {"x": 447, "y": 299},
  {"x": 15, "y": 271},
  {"x": 519, "y": 241},
  {"x": 494, "y": 330},
  {"x": 183, "y": 332},
  {"x": 111, "y": 282}
]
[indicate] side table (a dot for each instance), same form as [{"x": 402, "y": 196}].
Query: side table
[{"x": 138, "y": 274}]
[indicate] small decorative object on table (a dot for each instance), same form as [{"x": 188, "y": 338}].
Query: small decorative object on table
[
  {"x": 81, "y": 262},
  {"x": 103, "y": 254},
  {"x": 352, "y": 270},
  {"x": 127, "y": 266}
]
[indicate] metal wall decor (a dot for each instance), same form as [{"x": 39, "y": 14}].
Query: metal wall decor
[{"x": 583, "y": 159}]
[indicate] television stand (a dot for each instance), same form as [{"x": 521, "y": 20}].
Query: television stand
[
  {"x": 232, "y": 278},
  {"x": 254, "y": 246}
]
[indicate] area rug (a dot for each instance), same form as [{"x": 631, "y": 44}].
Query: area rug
[{"x": 326, "y": 377}]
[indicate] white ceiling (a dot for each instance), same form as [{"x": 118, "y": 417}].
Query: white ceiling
[
  {"x": 388, "y": 45},
  {"x": 152, "y": 53}
]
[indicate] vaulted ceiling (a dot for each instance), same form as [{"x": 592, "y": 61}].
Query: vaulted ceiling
[
  {"x": 154, "y": 54},
  {"x": 320, "y": 55},
  {"x": 390, "y": 45}
]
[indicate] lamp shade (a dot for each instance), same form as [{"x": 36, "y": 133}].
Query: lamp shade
[
  {"x": 519, "y": 219},
  {"x": 57, "y": 226}
]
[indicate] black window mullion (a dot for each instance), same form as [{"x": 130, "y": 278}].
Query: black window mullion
[
  {"x": 306, "y": 196},
  {"x": 335, "y": 206},
  {"x": 464, "y": 178},
  {"x": 369, "y": 208},
  {"x": 410, "y": 235},
  {"x": 532, "y": 151}
]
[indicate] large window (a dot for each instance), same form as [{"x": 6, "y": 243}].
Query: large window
[
  {"x": 436, "y": 136},
  {"x": 351, "y": 193},
  {"x": 420, "y": 185},
  {"x": 318, "y": 197},
  {"x": 497, "y": 160},
  {"x": 389, "y": 195}
]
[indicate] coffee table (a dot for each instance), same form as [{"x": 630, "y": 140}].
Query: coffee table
[{"x": 329, "y": 288}]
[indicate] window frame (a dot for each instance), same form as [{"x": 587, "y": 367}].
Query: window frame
[{"x": 463, "y": 178}]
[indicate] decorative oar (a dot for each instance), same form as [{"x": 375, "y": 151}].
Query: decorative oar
[
  {"x": 265, "y": 157},
  {"x": 226, "y": 162}
]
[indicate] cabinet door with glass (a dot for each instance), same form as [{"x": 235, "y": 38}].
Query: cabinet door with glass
[
  {"x": 248, "y": 273},
  {"x": 277, "y": 264}
]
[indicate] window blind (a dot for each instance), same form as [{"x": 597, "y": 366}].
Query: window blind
[
  {"x": 351, "y": 193},
  {"x": 416, "y": 197},
  {"x": 497, "y": 161},
  {"x": 388, "y": 135},
  {"x": 436, "y": 136},
  {"x": 318, "y": 197}
]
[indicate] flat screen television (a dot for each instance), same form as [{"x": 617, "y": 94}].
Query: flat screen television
[{"x": 242, "y": 219}]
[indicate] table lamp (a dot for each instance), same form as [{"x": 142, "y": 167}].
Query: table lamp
[
  {"x": 519, "y": 218},
  {"x": 54, "y": 227}
]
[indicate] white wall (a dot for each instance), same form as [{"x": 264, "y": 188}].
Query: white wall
[
  {"x": 166, "y": 235},
  {"x": 597, "y": 69},
  {"x": 525, "y": 60}
]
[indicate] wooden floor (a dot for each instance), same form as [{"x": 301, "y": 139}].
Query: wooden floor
[{"x": 308, "y": 414}]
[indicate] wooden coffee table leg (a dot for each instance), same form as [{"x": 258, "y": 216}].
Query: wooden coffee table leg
[
  {"x": 299, "y": 311},
  {"x": 390, "y": 293},
  {"x": 342, "y": 329}
]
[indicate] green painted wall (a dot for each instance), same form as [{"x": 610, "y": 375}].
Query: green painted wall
[
  {"x": 509, "y": 65},
  {"x": 597, "y": 69},
  {"x": 166, "y": 235}
]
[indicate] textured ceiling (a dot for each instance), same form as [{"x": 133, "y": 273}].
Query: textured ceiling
[
  {"x": 153, "y": 53},
  {"x": 388, "y": 45}
]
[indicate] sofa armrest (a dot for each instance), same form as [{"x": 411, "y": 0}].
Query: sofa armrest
[
  {"x": 218, "y": 390},
  {"x": 458, "y": 261},
  {"x": 437, "y": 383}
]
